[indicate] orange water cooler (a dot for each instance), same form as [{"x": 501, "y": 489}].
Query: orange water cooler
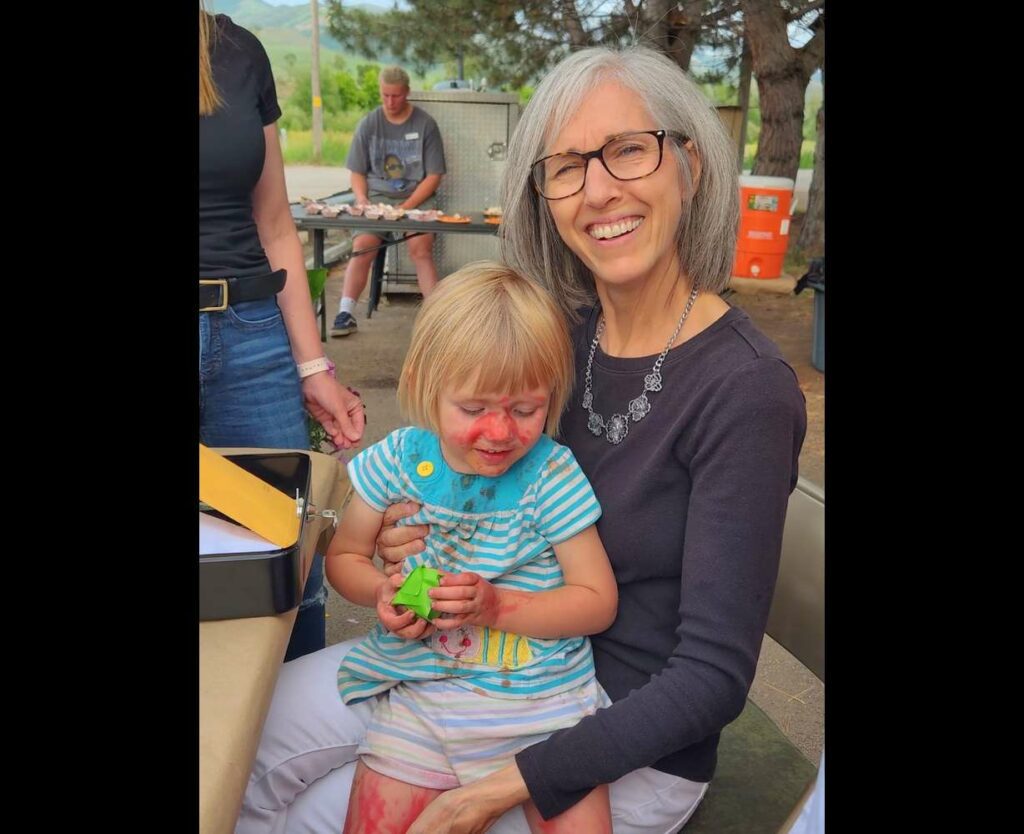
[{"x": 764, "y": 226}]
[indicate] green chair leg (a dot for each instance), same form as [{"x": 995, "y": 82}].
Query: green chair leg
[{"x": 317, "y": 280}]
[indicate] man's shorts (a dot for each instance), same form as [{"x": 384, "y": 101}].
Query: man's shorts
[{"x": 439, "y": 734}]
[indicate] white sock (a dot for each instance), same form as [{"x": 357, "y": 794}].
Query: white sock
[{"x": 347, "y": 305}]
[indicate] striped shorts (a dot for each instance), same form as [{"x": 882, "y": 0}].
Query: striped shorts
[{"x": 439, "y": 734}]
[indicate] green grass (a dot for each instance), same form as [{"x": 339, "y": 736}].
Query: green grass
[
  {"x": 299, "y": 148},
  {"x": 796, "y": 261},
  {"x": 806, "y": 154},
  {"x": 344, "y": 122}
]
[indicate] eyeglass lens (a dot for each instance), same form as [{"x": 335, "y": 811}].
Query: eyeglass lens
[{"x": 626, "y": 157}]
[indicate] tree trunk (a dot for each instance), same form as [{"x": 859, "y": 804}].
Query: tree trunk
[
  {"x": 782, "y": 122},
  {"x": 672, "y": 30},
  {"x": 812, "y": 232},
  {"x": 782, "y": 74},
  {"x": 574, "y": 28},
  {"x": 744, "y": 99}
]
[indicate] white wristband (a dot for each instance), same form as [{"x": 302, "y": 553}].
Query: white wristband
[{"x": 313, "y": 366}]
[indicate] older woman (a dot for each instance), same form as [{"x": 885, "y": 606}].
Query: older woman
[{"x": 621, "y": 197}]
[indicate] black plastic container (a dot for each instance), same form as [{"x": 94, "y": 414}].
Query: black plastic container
[
  {"x": 238, "y": 585},
  {"x": 815, "y": 280}
]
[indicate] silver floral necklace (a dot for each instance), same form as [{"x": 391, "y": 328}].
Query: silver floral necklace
[{"x": 616, "y": 427}]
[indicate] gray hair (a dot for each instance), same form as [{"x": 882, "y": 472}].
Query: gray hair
[
  {"x": 394, "y": 75},
  {"x": 706, "y": 238}
]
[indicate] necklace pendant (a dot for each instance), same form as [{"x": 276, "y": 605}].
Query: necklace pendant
[
  {"x": 639, "y": 407},
  {"x": 617, "y": 429},
  {"x": 617, "y": 426}
]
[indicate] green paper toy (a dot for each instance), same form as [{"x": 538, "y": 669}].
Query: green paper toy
[{"x": 413, "y": 592}]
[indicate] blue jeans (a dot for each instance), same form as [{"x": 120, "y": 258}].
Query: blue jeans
[{"x": 250, "y": 395}]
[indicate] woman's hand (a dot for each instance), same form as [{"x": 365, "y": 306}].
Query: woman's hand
[
  {"x": 336, "y": 408},
  {"x": 395, "y": 543},
  {"x": 467, "y": 598},
  {"x": 404, "y": 624},
  {"x": 473, "y": 809}
]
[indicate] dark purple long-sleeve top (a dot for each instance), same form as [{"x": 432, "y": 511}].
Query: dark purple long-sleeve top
[{"x": 694, "y": 500}]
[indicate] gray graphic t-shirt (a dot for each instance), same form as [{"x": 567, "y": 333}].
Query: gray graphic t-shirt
[{"x": 396, "y": 158}]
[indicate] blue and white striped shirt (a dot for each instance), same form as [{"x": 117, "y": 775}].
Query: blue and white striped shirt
[{"x": 501, "y": 528}]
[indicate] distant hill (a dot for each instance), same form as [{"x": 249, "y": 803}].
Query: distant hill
[
  {"x": 286, "y": 30},
  {"x": 283, "y": 30}
]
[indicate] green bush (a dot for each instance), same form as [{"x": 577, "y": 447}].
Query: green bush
[
  {"x": 367, "y": 76},
  {"x": 295, "y": 118},
  {"x": 298, "y": 148},
  {"x": 345, "y": 98}
]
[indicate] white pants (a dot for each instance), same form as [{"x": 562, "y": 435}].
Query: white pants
[{"x": 306, "y": 759}]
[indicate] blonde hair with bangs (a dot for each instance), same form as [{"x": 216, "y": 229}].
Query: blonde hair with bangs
[{"x": 488, "y": 322}]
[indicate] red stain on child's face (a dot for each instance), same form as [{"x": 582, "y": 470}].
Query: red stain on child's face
[{"x": 485, "y": 434}]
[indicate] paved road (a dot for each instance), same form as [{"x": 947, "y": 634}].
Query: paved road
[{"x": 314, "y": 181}]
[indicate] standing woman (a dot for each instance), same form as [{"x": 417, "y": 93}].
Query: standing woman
[
  {"x": 620, "y": 195},
  {"x": 261, "y": 363}
]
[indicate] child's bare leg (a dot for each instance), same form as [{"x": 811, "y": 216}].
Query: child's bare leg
[
  {"x": 592, "y": 814},
  {"x": 380, "y": 804}
]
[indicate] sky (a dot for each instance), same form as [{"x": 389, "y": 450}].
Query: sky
[{"x": 384, "y": 4}]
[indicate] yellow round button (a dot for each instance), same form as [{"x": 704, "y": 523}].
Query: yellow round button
[{"x": 424, "y": 469}]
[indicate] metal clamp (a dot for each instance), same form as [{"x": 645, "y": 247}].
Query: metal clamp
[{"x": 312, "y": 512}]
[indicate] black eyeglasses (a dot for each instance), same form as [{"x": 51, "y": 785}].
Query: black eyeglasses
[{"x": 628, "y": 156}]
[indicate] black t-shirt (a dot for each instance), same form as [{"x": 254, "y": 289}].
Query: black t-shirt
[{"x": 231, "y": 153}]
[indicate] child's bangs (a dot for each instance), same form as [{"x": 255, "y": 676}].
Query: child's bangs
[{"x": 502, "y": 360}]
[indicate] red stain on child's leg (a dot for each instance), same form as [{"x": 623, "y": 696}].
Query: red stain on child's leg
[
  {"x": 383, "y": 805},
  {"x": 367, "y": 807}
]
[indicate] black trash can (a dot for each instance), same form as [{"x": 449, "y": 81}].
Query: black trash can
[{"x": 815, "y": 280}]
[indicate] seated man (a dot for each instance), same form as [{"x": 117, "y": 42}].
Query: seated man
[{"x": 396, "y": 157}]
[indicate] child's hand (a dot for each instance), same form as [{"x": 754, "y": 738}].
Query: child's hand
[
  {"x": 404, "y": 624},
  {"x": 466, "y": 598}
]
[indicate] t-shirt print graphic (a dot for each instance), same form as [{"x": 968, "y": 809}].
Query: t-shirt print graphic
[{"x": 400, "y": 161}]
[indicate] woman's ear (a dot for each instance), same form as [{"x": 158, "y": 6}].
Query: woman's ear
[{"x": 695, "y": 166}]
